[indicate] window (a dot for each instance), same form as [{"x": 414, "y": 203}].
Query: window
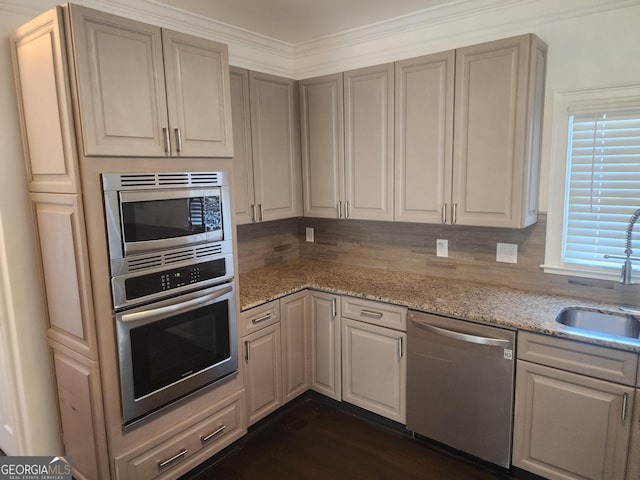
[{"x": 595, "y": 181}]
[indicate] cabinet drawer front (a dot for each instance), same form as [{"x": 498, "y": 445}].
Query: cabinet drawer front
[
  {"x": 376, "y": 313},
  {"x": 592, "y": 360},
  {"x": 259, "y": 317},
  {"x": 211, "y": 434}
]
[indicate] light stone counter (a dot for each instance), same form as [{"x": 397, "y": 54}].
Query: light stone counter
[{"x": 470, "y": 301}]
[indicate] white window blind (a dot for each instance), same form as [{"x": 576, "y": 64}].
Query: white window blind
[{"x": 603, "y": 186}]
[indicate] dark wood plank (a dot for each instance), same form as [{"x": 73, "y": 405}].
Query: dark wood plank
[{"x": 313, "y": 438}]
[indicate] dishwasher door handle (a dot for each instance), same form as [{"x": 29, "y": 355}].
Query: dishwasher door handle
[{"x": 464, "y": 337}]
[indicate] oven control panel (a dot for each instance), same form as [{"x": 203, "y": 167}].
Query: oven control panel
[{"x": 166, "y": 280}]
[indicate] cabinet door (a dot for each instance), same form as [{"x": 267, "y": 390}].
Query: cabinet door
[
  {"x": 198, "y": 101},
  {"x": 263, "y": 372},
  {"x": 296, "y": 364},
  {"x": 498, "y": 108},
  {"x": 374, "y": 368},
  {"x": 243, "y": 198},
  {"x": 120, "y": 82},
  {"x": 368, "y": 136},
  {"x": 276, "y": 146},
  {"x": 424, "y": 137},
  {"x": 569, "y": 425},
  {"x": 633, "y": 461},
  {"x": 322, "y": 138},
  {"x": 326, "y": 369}
]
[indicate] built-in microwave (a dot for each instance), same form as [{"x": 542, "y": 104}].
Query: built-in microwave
[{"x": 160, "y": 212}]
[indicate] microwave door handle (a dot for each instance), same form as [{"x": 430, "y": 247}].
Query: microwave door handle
[{"x": 173, "y": 309}]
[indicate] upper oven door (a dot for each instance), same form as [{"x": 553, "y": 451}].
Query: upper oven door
[{"x": 160, "y": 219}]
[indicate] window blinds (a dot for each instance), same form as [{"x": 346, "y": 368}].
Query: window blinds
[{"x": 603, "y": 186}]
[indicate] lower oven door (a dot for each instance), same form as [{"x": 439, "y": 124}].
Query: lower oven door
[{"x": 170, "y": 349}]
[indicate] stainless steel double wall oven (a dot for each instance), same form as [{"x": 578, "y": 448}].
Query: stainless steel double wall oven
[{"x": 172, "y": 281}]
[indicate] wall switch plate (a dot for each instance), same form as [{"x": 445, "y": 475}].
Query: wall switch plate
[
  {"x": 507, "y": 252},
  {"x": 310, "y": 235},
  {"x": 442, "y": 247}
]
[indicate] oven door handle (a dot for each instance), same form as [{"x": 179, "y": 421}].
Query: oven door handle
[{"x": 173, "y": 309}]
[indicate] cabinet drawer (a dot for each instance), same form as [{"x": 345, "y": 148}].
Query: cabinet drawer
[
  {"x": 592, "y": 360},
  {"x": 260, "y": 317},
  {"x": 376, "y": 313},
  {"x": 206, "y": 437}
]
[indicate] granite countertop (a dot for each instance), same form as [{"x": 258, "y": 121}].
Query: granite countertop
[{"x": 467, "y": 300}]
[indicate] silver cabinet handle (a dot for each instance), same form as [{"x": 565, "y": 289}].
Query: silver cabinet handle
[
  {"x": 333, "y": 308},
  {"x": 253, "y": 212},
  {"x": 260, "y": 211},
  {"x": 178, "y": 140},
  {"x": 444, "y": 213},
  {"x": 464, "y": 337},
  {"x": 176, "y": 457},
  {"x": 167, "y": 140},
  {"x": 339, "y": 209},
  {"x": 346, "y": 209},
  {"x": 454, "y": 215},
  {"x": 400, "y": 347},
  {"x": 206, "y": 438},
  {"x": 625, "y": 397},
  {"x": 179, "y": 308},
  {"x": 263, "y": 318},
  {"x": 246, "y": 350},
  {"x": 371, "y": 314}
]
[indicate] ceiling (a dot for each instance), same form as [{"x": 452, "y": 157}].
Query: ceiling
[{"x": 299, "y": 21}]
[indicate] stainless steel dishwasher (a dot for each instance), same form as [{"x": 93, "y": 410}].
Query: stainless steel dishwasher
[{"x": 460, "y": 385}]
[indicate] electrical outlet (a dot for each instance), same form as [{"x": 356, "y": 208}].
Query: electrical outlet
[
  {"x": 310, "y": 235},
  {"x": 442, "y": 247},
  {"x": 507, "y": 252}
]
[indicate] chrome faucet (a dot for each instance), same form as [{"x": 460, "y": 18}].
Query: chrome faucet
[{"x": 625, "y": 278}]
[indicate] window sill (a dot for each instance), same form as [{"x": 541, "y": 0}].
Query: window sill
[{"x": 613, "y": 276}]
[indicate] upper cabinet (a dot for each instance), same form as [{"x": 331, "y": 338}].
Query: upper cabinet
[
  {"x": 148, "y": 91},
  {"x": 475, "y": 161},
  {"x": 347, "y": 144},
  {"x": 267, "y": 177},
  {"x": 499, "y": 98}
]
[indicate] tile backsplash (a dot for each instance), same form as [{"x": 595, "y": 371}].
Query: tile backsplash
[{"x": 409, "y": 247}]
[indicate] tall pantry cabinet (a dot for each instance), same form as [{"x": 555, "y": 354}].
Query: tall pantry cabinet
[{"x": 92, "y": 99}]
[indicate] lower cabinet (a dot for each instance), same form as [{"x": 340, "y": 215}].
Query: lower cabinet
[
  {"x": 374, "y": 368},
  {"x": 326, "y": 369},
  {"x": 572, "y": 424},
  {"x": 210, "y": 432},
  {"x": 633, "y": 462},
  {"x": 263, "y": 374},
  {"x": 276, "y": 353}
]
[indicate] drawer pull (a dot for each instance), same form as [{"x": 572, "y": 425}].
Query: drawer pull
[
  {"x": 263, "y": 318},
  {"x": 176, "y": 457},
  {"x": 625, "y": 398},
  {"x": 369, "y": 313},
  {"x": 206, "y": 438}
]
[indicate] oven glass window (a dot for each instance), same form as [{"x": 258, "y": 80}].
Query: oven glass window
[
  {"x": 170, "y": 218},
  {"x": 169, "y": 350}
]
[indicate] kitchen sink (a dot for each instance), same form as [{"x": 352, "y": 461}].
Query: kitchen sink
[{"x": 610, "y": 323}]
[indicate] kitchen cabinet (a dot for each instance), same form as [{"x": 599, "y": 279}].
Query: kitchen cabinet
[
  {"x": 326, "y": 368},
  {"x": 296, "y": 361},
  {"x": 322, "y": 146},
  {"x": 263, "y": 359},
  {"x": 374, "y": 361},
  {"x": 424, "y": 137},
  {"x": 268, "y": 180},
  {"x": 347, "y": 144},
  {"x": 633, "y": 459},
  {"x": 468, "y": 137},
  {"x": 188, "y": 445},
  {"x": 573, "y": 408},
  {"x": 148, "y": 91}
]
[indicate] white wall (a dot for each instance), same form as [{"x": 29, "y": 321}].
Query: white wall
[{"x": 591, "y": 43}]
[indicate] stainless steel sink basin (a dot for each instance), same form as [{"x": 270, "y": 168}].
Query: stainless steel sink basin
[{"x": 610, "y": 323}]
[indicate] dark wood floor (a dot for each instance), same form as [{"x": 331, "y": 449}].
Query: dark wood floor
[{"x": 313, "y": 438}]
